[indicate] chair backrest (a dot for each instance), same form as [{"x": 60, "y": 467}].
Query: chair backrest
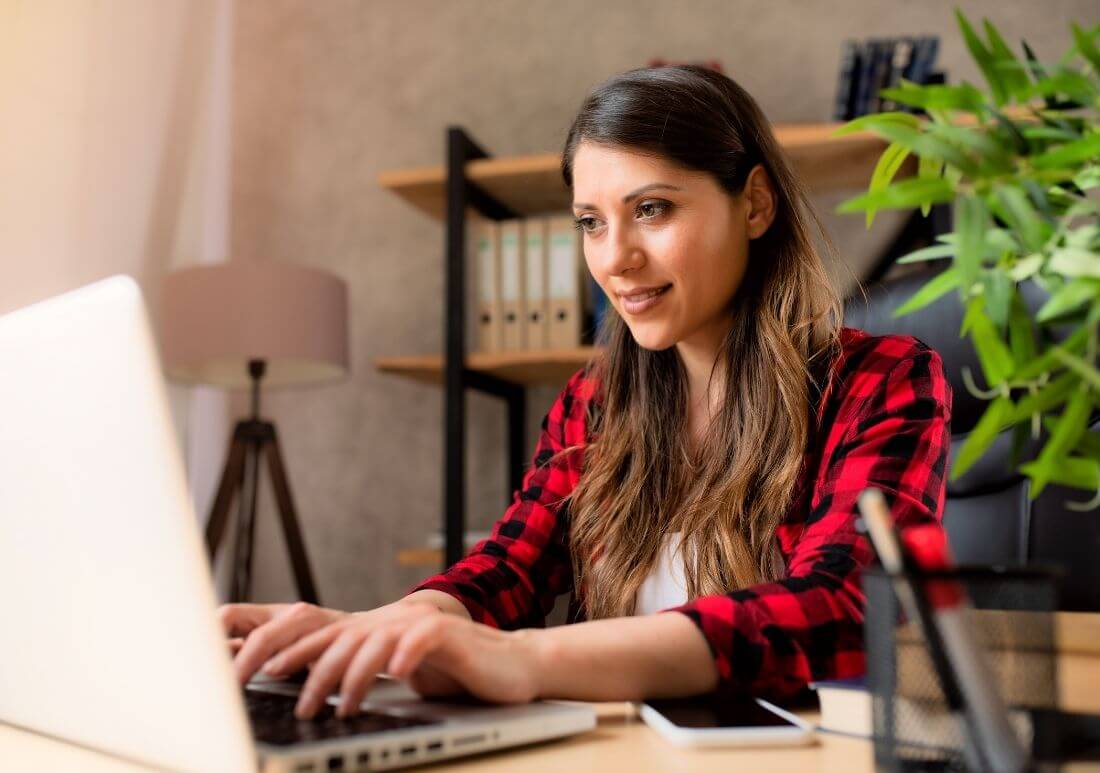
[{"x": 989, "y": 516}]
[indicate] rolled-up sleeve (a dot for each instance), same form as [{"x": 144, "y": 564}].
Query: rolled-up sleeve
[
  {"x": 774, "y": 638},
  {"x": 511, "y": 579}
]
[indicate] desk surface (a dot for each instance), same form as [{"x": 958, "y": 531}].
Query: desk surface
[{"x": 620, "y": 742}]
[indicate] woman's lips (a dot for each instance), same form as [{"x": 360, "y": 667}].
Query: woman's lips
[{"x": 644, "y": 302}]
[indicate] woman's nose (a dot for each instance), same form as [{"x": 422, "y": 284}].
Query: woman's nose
[{"x": 623, "y": 253}]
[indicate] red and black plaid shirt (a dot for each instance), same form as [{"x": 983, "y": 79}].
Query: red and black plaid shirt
[{"x": 882, "y": 420}]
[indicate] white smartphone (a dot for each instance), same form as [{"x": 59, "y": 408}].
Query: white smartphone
[{"x": 712, "y": 722}]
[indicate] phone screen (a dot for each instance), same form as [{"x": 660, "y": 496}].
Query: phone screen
[{"x": 708, "y": 711}]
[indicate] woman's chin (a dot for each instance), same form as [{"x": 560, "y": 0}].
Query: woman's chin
[{"x": 653, "y": 340}]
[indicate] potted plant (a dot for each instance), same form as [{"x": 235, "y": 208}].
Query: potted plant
[{"x": 1018, "y": 160}]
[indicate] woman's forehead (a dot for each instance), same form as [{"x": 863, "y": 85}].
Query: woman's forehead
[{"x": 603, "y": 171}]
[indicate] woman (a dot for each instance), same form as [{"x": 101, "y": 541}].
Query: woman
[{"x": 694, "y": 489}]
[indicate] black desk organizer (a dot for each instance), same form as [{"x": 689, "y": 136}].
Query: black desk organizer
[{"x": 1012, "y": 621}]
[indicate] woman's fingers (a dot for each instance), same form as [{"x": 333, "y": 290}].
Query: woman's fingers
[
  {"x": 276, "y": 634},
  {"x": 327, "y": 671},
  {"x": 363, "y": 670},
  {"x": 422, "y": 637},
  {"x": 241, "y": 619},
  {"x": 304, "y": 651}
]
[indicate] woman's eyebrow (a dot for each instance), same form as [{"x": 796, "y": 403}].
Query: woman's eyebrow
[{"x": 632, "y": 195}]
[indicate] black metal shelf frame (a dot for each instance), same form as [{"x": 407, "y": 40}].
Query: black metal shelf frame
[{"x": 462, "y": 193}]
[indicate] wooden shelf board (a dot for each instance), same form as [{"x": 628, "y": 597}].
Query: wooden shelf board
[
  {"x": 529, "y": 368},
  {"x": 532, "y": 184}
]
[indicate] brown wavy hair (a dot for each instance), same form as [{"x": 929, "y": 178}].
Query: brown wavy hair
[{"x": 640, "y": 480}]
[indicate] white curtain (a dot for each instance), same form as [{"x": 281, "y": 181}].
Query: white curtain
[{"x": 114, "y": 158}]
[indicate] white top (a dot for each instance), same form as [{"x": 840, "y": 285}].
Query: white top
[{"x": 665, "y": 586}]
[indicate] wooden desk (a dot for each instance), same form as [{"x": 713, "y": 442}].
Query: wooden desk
[{"x": 621, "y": 742}]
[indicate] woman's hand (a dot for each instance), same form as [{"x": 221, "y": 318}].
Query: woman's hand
[
  {"x": 267, "y": 629},
  {"x": 439, "y": 654}
]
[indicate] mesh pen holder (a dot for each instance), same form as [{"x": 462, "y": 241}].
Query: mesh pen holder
[{"x": 1011, "y": 621}]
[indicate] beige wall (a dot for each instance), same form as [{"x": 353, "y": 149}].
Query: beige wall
[{"x": 327, "y": 95}]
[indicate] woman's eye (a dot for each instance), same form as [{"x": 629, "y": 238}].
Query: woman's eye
[
  {"x": 655, "y": 208},
  {"x": 584, "y": 224}
]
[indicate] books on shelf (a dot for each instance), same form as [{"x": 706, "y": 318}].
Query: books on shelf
[
  {"x": 487, "y": 272},
  {"x": 533, "y": 288},
  {"x": 867, "y": 67}
]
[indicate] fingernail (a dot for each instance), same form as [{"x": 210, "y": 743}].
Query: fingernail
[
  {"x": 303, "y": 709},
  {"x": 273, "y": 666}
]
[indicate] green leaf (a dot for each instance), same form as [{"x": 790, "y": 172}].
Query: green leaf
[
  {"x": 926, "y": 145},
  {"x": 993, "y": 354},
  {"x": 1075, "y": 471},
  {"x": 876, "y": 120},
  {"x": 972, "y": 217},
  {"x": 928, "y": 169},
  {"x": 1071, "y": 297},
  {"x": 997, "y": 289},
  {"x": 1086, "y": 371},
  {"x": 887, "y": 167},
  {"x": 1075, "y": 261},
  {"x": 1086, "y": 48},
  {"x": 1012, "y": 73},
  {"x": 993, "y": 420},
  {"x": 1022, "y": 217},
  {"x": 1088, "y": 178},
  {"x": 1085, "y": 149},
  {"x": 962, "y": 97},
  {"x": 928, "y": 253},
  {"x": 1047, "y": 397},
  {"x": 983, "y": 58},
  {"x": 995, "y": 156},
  {"x": 1021, "y": 336},
  {"x": 1026, "y": 266},
  {"x": 1070, "y": 426},
  {"x": 938, "y": 286},
  {"x": 901, "y": 195},
  {"x": 1049, "y": 133},
  {"x": 1050, "y": 358}
]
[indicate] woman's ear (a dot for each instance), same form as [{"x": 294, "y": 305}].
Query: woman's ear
[{"x": 761, "y": 199}]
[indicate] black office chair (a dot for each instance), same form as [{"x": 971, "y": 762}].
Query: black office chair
[{"x": 988, "y": 516}]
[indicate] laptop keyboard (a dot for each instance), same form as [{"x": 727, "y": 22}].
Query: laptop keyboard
[{"x": 273, "y": 721}]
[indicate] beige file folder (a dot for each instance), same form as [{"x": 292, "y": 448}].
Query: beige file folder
[
  {"x": 489, "y": 331},
  {"x": 536, "y": 300},
  {"x": 565, "y": 287},
  {"x": 511, "y": 284}
]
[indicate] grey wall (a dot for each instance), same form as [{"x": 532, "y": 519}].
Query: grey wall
[{"x": 328, "y": 94}]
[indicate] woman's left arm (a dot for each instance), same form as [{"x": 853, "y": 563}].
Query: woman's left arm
[{"x": 892, "y": 432}]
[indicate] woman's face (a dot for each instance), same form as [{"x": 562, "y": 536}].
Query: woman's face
[{"x": 651, "y": 225}]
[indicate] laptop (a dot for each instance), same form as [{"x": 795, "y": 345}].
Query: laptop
[{"x": 111, "y": 637}]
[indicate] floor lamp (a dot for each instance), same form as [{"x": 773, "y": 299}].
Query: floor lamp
[{"x": 239, "y": 325}]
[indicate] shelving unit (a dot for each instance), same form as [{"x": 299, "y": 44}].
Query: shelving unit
[{"x": 504, "y": 188}]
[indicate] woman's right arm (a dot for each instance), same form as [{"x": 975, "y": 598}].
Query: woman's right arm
[{"x": 511, "y": 579}]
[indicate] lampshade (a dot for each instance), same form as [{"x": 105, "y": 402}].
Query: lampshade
[{"x": 215, "y": 318}]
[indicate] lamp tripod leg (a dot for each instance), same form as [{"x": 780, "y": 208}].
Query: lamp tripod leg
[
  {"x": 231, "y": 480},
  {"x": 246, "y": 525},
  {"x": 303, "y": 576}
]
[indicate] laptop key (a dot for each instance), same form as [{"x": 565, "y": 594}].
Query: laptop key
[{"x": 273, "y": 721}]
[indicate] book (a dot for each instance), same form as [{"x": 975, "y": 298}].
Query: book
[
  {"x": 845, "y": 707},
  {"x": 487, "y": 240},
  {"x": 511, "y": 285},
  {"x": 902, "y": 56},
  {"x": 846, "y": 82},
  {"x": 566, "y": 288},
  {"x": 536, "y": 309}
]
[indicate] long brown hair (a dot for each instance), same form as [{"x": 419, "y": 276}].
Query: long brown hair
[{"x": 640, "y": 481}]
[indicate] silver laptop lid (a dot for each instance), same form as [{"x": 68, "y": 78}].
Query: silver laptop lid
[{"x": 110, "y": 637}]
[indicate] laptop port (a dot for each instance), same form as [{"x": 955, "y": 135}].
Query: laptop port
[
  {"x": 466, "y": 740},
  {"x": 336, "y": 762},
  {"x": 304, "y": 767},
  {"x": 408, "y": 751},
  {"x": 363, "y": 758},
  {"x": 435, "y": 746}
]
